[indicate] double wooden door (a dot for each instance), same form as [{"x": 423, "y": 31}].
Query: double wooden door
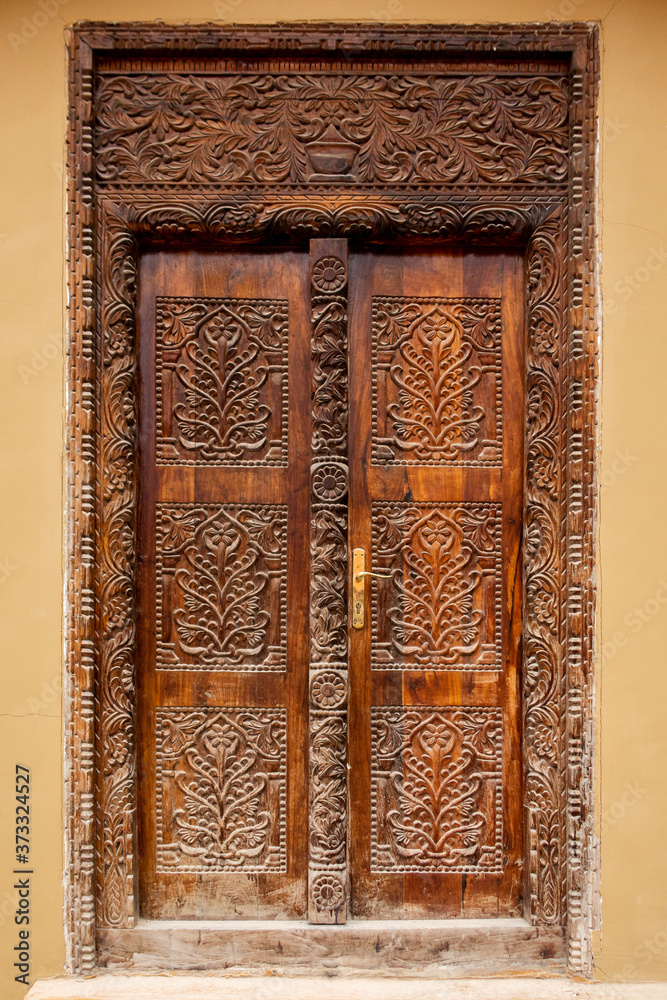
[{"x": 313, "y": 743}]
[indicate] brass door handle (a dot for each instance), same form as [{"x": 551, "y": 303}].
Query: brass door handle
[{"x": 358, "y": 573}]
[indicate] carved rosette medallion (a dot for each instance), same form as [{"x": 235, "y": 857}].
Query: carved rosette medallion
[
  {"x": 436, "y": 790},
  {"x": 327, "y": 852}
]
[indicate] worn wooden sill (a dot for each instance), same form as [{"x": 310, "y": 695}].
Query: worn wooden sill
[
  {"x": 182, "y": 987},
  {"x": 399, "y": 948}
]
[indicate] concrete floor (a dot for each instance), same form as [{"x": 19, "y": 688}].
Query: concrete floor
[{"x": 202, "y": 987}]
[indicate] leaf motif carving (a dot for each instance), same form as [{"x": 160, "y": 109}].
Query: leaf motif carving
[
  {"x": 388, "y": 129},
  {"x": 224, "y": 568},
  {"x": 436, "y": 777},
  {"x": 442, "y": 560},
  {"x": 221, "y": 786},
  {"x": 222, "y": 372},
  {"x": 437, "y": 365}
]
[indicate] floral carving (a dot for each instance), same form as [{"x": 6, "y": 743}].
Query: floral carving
[
  {"x": 222, "y": 581},
  {"x": 328, "y": 790},
  {"x": 543, "y": 655},
  {"x": 262, "y": 128},
  {"x": 221, "y": 788},
  {"x": 436, "y": 778},
  {"x": 117, "y": 520},
  {"x": 329, "y": 350},
  {"x": 437, "y": 364},
  {"x": 328, "y": 585},
  {"x": 293, "y": 218},
  {"x": 328, "y": 689},
  {"x": 328, "y": 580},
  {"x": 329, "y": 275},
  {"x": 222, "y": 381},
  {"x": 441, "y": 606},
  {"x": 327, "y": 892},
  {"x": 329, "y": 482}
]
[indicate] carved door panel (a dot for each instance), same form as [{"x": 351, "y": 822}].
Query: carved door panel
[
  {"x": 223, "y": 589},
  {"x": 436, "y": 455}
]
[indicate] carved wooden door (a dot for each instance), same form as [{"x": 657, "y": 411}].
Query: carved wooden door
[
  {"x": 223, "y": 586},
  {"x": 292, "y": 765},
  {"x": 436, "y": 445}
]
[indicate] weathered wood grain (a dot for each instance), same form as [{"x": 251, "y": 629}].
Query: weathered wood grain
[{"x": 385, "y": 947}]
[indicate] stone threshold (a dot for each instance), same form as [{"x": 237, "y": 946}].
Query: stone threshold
[{"x": 283, "y": 987}]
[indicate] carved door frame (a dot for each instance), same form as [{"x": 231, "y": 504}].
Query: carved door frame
[{"x": 538, "y": 193}]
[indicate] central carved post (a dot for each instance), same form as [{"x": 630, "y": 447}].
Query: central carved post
[{"x": 327, "y": 846}]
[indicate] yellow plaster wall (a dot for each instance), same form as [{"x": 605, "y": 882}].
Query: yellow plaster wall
[{"x": 632, "y": 585}]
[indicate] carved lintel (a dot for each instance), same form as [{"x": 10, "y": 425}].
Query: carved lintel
[
  {"x": 491, "y": 217},
  {"x": 327, "y": 848},
  {"x": 335, "y": 132}
]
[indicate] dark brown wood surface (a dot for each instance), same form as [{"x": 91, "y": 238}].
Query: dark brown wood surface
[
  {"x": 436, "y": 500},
  {"x": 436, "y": 453},
  {"x": 223, "y": 557}
]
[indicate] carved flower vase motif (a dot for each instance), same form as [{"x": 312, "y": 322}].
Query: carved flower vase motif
[{"x": 331, "y": 156}]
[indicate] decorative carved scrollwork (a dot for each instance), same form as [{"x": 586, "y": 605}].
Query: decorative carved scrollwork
[
  {"x": 221, "y": 395},
  {"x": 441, "y": 607},
  {"x": 542, "y": 649},
  {"x": 327, "y": 860},
  {"x": 331, "y": 128},
  {"x": 117, "y": 584},
  {"x": 221, "y": 776},
  {"x": 436, "y": 786},
  {"x": 268, "y": 216},
  {"x": 222, "y": 573},
  {"x": 437, "y": 364}
]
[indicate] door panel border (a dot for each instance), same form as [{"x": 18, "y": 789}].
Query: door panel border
[{"x": 542, "y": 198}]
